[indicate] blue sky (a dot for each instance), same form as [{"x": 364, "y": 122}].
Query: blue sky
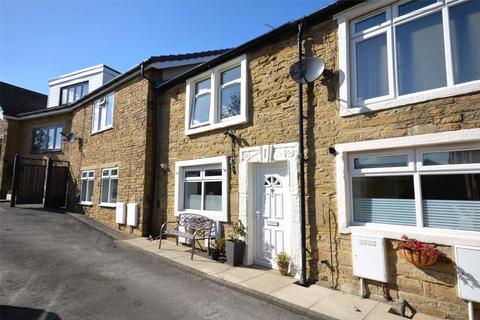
[{"x": 43, "y": 39}]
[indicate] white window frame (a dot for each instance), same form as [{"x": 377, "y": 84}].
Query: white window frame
[
  {"x": 110, "y": 176},
  {"x": 214, "y": 74},
  {"x": 183, "y": 166},
  {"x": 453, "y": 140},
  {"x": 87, "y": 175},
  {"x": 99, "y": 113},
  {"x": 347, "y": 38}
]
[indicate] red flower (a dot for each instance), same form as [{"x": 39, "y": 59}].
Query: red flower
[{"x": 413, "y": 245}]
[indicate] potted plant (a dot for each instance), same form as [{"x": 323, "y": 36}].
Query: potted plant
[
  {"x": 418, "y": 253},
  {"x": 283, "y": 262},
  {"x": 218, "y": 249},
  {"x": 234, "y": 245}
]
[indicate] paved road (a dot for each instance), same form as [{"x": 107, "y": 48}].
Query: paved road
[{"x": 55, "y": 267}]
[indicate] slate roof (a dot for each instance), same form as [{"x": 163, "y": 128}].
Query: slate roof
[
  {"x": 15, "y": 100},
  {"x": 112, "y": 83},
  {"x": 185, "y": 56}
]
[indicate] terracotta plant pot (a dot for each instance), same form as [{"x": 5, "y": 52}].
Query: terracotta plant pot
[
  {"x": 283, "y": 268},
  {"x": 417, "y": 259}
]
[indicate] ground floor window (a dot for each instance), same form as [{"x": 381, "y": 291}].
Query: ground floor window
[
  {"x": 86, "y": 187},
  {"x": 434, "y": 187},
  {"x": 109, "y": 186},
  {"x": 201, "y": 187}
]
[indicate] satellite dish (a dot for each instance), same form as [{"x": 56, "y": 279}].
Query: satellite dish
[
  {"x": 307, "y": 70},
  {"x": 71, "y": 137}
]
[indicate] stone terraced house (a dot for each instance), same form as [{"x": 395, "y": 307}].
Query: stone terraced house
[
  {"x": 109, "y": 118},
  {"x": 392, "y": 147}
]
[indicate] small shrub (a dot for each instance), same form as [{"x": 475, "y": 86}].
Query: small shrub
[
  {"x": 237, "y": 231},
  {"x": 283, "y": 259}
]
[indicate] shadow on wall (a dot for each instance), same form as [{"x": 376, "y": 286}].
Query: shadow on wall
[
  {"x": 161, "y": 197},
  {"x": 16, "y": 313}
]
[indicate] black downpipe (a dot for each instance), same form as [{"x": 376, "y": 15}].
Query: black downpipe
[
  {"x": 153, "y": 184},
  {"x": 303, "y": 275}
]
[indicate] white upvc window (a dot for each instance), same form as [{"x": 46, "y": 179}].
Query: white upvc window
[
  {"x": 102, "y": 117},
  {"x": 87, "y": 179},
  {"x": 217, "y": 98},
  {"x": 201, "y": 187},
  {"x": 417, "y": 188},
  {"x": 109, "y": 187},
  {"x": 407, "y": 52}
]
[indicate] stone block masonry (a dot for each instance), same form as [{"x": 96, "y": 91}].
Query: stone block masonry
[
  {"x": 272, "y": 107},
  {"x": 126, "y": 145}
]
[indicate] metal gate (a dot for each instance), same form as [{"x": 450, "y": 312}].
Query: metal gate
[{"x": 39, "y": 181}]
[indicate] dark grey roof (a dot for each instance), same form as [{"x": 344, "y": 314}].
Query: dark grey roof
[
  {"x": 163, "y": 58},
  {"x": 284, "y": 30},
  {"x": 15, "y": 100},
  {"x": 185, "y": 56}
]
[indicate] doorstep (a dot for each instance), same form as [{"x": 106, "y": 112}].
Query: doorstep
[{"x": 266, "y": 284}]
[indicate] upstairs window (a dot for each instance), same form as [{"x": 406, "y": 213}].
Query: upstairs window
[
  {"x": 217, "y": 98},
  {"x": 73, "y": 93},
  {"x": 410, "y": 51},
  {"x": 103, "y": 113},
  {"x": 47, "y": 139}
]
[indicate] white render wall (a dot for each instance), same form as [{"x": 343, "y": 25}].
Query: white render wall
[{"x": 96, "y": 76}]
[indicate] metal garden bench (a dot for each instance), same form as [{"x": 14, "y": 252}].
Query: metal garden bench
[{"x": 189, "y": 226}]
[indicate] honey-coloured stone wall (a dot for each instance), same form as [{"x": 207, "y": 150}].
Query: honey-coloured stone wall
[{"x": 272, "y": 105}]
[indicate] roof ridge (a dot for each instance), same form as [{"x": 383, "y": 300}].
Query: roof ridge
[{"x": 190, "y": 55}]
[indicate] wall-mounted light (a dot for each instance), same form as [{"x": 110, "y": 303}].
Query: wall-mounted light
[
  {"x": 164, "y": 166},
  {"x": 230, "y": 133},
  {"x": 332, "y": 151}
]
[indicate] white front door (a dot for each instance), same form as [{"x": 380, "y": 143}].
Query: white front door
[{"x": 271, "y": 213}]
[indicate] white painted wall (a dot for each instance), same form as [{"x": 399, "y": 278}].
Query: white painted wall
[{"x": 96, "y": 76}]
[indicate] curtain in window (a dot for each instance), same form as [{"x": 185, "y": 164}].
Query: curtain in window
[
  {"x": 451, "y": 201},
  {"x": 372, "y": 67},
  {"x": 385, "y": 200},
  {"x": 421, "y": 54},
  {"x": 465, "y": 39}
]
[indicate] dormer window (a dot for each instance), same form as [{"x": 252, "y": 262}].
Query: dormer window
[
  {"x": 74, "y": 92},
  {"x": 217, "y": 98}
]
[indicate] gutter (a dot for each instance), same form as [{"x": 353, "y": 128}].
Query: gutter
[
  {"x": 282, "y": 31},
  {"x": 124, "y": 77}
]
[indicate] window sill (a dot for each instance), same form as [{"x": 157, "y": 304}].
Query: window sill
[
  {"x": 47, "y": 151},
  {"x": 102, "y": 130},
  {"x": 219, "y": 125},
  {"x": 85, "y": 203},
  {"x": 108, "y": 205},
  {"x": 413, "y": 98},
  {"x": 214, "y": 215},
  {"x": 437, "y": 236}
]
